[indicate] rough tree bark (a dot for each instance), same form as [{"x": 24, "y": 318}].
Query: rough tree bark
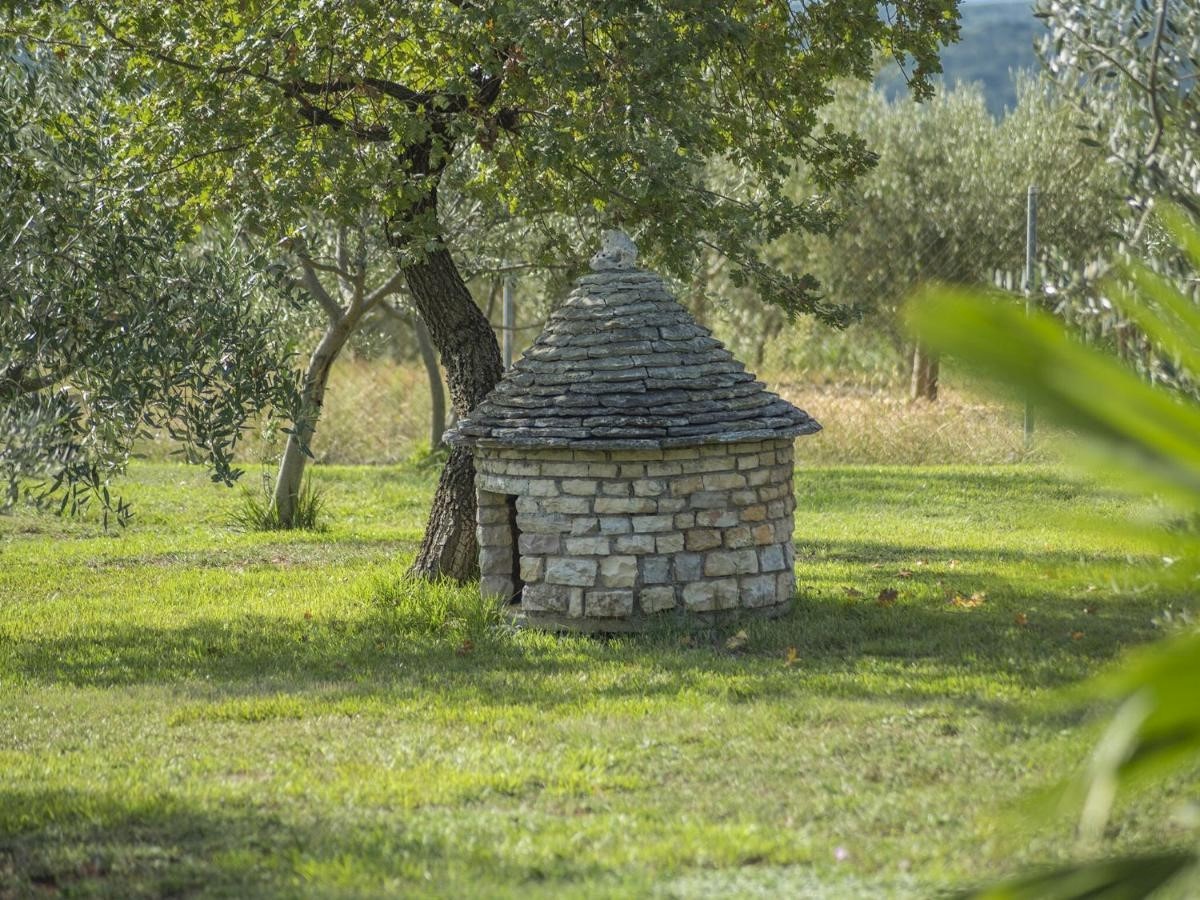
[
  {"x": 471, "y": 357},
  {"x": 926, "y": 365}
]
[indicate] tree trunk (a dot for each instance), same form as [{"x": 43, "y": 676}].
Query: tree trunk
[
  {"x": 312, "y": 396},
  {"x": 437, "y": 396},
  {"x": 471, "y": 357},
  {"x": 926, "y": 364}
]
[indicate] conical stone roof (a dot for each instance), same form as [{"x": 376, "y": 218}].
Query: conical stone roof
[{"x": 622, "y": 365}]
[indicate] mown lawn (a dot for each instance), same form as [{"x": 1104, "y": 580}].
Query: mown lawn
[{"x": 188, "y": 710}]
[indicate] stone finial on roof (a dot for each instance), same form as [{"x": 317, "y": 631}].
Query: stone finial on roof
[{"x": 617, "y": 252}]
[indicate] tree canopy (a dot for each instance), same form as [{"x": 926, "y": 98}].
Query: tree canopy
[
  {"x": 606, "y": 111},
  {"x": 113, "y": 321}
]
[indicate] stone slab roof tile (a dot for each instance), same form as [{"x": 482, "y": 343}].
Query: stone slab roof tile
[{"x": 621, "y": 365}]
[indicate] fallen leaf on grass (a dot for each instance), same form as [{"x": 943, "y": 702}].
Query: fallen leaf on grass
[
  {"x": 975, "y": 600},
  {"x": 853, "y": 593},
  {"x": 1077, "y": 635},
  {"x": 1090, "y": 610},
  {"x": 737, "y": 641},
  {"x": 465, "y": 647},
  {"x": 887, "y": 596},
  {"x": 308, "y": 615},
  {"x": 904, "y": 573},
  {"x": 1021, "y": 619},
  {"x": 953, "y": 564},
  {"x": 790, "y": 657}
]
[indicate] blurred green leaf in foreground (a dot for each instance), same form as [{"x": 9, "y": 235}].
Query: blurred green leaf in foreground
[{"x": 1140, "y": 435}]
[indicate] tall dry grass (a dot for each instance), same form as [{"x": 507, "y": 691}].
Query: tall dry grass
[{"x": 377, "y": 412}]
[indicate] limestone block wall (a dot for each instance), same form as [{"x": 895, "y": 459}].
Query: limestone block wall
[{"x": 611, "y": 536}]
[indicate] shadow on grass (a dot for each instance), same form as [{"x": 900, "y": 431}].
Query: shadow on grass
[
  {"x": 923, "y": 648},
  {"x": 88, "y": 843}
]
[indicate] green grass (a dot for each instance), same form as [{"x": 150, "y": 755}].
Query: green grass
[{"x": 190, "y": 710}]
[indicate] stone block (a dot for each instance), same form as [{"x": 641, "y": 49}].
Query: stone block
[
  {"x": 575, "y": 602},
  {"x": 570, "y": 571},
  {"x": 601, "y": 470},
  {"x": 669, "y": 543},
  {"x": 771, "y": 559},
  {"x": 656, "y": 570},
  {"x": 491, "y": 515},
  {"x": 543, "y": 598},
  {"x": 628, "y": 505},
  {"x": 586, "y": 546},
  {"x": 584, "y": 487},
  {"x": 724, "y": 481},
  {"x": 686, "y": 484},
  {"x": 529, "y": 505},
  {"x": 618, "y": 571},
  {"x": 495, "y": 560},
  {"x": 758, "y": 477},
  {"x": 648, "y": 487},
  {"x": 731, "y": 562},
  {"x": 497, "y": 586},
  {"x": 764, "y": 533},
  {"x": 702, "y": 539},
  {"x": 671, "y": 504},
  {"x": 544, "y": 523},
  {"x": 653, "y": 523},
  {"x": 743, "y": 498},
  {"x": 532, "y": 568},
  {"x": 616, "y": 489},
  {"x": 539, "y": 544},
  {"x": 615, "y": 525},
  {"x": 608, "y": 604},
  {"x": 785, "y": 585},
  {"x": 749, "y": 461},
  {"x": 634, "y": 543},
  {"x": 573, "y": 506},
  {"x": 685, "y": 520},
  {"x": 777, "y": 509},
  {"x": 715, "y": 464},
  {"x": 716, "y": 518},
  {"x": 656, "y": 599},
  {"x": 789, "y": 554},
  {"x": 755, "y": 513},
  {"x": 688, "y": 566},
  {"x": 542, "y": 487},
  {"x": 709, "y": 500},
  {"x": 494, "y": 535},
  {"x": 738, "y": 537},
  {"x": 759, "y": 590},
  {"x": 681, "y": 453},
  {"x": 703, "y": 596},
  {"x": 633, "y": 470},
  {"x": 771, "y": 491},
  {"x": 663, "y": 468},
  {"x": 587, "y": 525}
]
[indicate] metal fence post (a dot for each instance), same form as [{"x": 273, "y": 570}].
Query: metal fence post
[
  {"x": 1030, "y": 254},
  {"x": 510, "y": 319}
]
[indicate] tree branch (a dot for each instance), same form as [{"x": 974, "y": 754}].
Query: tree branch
[{"x": 391, "y": 286}]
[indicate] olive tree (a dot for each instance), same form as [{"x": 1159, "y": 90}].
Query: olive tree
[
  {"x": 607, "y": 112},
  {"x": 114, "y": 319}
]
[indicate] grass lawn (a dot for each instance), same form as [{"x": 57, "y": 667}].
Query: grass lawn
[{"x": 189, "y": 710}]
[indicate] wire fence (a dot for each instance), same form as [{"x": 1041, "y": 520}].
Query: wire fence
[{"x": 377, "y": 410}]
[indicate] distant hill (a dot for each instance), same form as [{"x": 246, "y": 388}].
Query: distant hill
[{"x": 997, "y": 40}]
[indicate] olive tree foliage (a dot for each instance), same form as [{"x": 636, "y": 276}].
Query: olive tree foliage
[
  {"x": 114, "y": 320},
  {"x": 946, "y": 202},
  {"x": 1131, "y": 67},
  {"x": 607, "y": 112}
]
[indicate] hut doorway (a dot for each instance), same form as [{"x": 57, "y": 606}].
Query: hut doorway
[{"x": 514, "y": 533}]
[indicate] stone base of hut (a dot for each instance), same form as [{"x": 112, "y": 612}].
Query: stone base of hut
[{"x": 613, "y": 540}]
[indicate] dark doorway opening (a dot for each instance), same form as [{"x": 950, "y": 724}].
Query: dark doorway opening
[{"x": 510, "y": 501}]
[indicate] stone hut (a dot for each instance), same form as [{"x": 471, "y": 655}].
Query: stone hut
[{"x": 628, "y": 466}]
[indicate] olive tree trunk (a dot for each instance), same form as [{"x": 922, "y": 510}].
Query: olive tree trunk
[
  {"x": 471, "y": 358},
  {"x": 312, "y": 396},
  {"x": 926, "y": 366}
]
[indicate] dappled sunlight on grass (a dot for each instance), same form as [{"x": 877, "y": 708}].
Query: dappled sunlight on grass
[{"x": 193, "y": 709}]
